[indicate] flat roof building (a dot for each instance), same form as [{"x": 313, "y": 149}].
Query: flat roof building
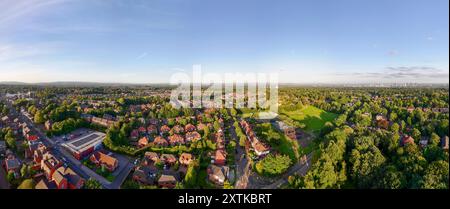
[{"x": 85, "y": 145}]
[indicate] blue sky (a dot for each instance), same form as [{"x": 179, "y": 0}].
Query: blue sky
[{"x": 147, "y": 41}]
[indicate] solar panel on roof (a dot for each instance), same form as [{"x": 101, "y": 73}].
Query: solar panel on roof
[{"x": 85, "y": 140}]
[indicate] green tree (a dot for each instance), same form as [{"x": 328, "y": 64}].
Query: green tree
[
  {"x": 416, "y": 134},
  {"x": 435, "y": 139},
  {"x": 395, "y": 127},
  {"x": 364, "y": 164},
  {"x": 436, "y": 176},
  {"x": 227, "y": 185},
  {"x": 92, "y": 184},
  {"x": 393, "y": 116},
  {"x": 339, "y": 121},
  {"x": 39, "y": 117},
  {"x": 191, "y": 177},
  {"x": 273, "y": 165},
  {"x": 130, "y": 184},
  {"x": 5, "y": 110},
  {"x": 179, "y": 185},
  {"x": 10, "y": 177},
  {"x": 24, "y": 170},
  {"x": 10, "y": 140},
  {"x": 391, "y": 178}
]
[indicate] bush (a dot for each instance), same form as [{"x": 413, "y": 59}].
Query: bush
[
  {"x": 92, "y": 184},
  {"x": 190, "y": 180},
  {"x": 273, "y": 165},
  {"x": 130, "y": 184}
]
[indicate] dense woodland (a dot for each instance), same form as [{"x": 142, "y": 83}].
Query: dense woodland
[{"x": 357, "y": 152}]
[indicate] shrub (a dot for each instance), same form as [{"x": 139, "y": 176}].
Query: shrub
[{"x": 273, "y": 165}]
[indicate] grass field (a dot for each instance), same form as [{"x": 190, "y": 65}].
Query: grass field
[
  {"x": 313, "y": 117},
  {"x": 277, "y": 140}
]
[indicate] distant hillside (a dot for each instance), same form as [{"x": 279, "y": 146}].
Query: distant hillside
[
  {"x": 12, "y": 83},
  {"x": 77, "y": 84}
]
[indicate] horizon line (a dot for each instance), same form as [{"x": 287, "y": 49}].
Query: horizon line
[{"x": 168, "y": 83}]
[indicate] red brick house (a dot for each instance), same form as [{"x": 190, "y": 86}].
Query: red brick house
[
  {"x": 192, "y": 136},
  {"x": 220, "y": 157},
  {"x": 189, "y": 128},
  {"x": 142, "y": 130},
  {"x": 201, "y": 126},
  {"x": 150, "y": 158},
  {"x": 383, "y": 123},
  {"x": 145, "y": 175},
  {"x": 152, "y": 129},
  {"x": 186, "y": 159},
  {"x": 167, "y": 181},
  {"x": 176, "y": 140},
  {"x": 177, "y": 129},
  {"x": 39, "y": 153},
  {"x": 406, "y": 139},
  {"x": 217, "y": 174},
  {"x": 73, "y": 179},
  {"x": 160, "y": 141},
  {"x": 143, "y": 142},
  {"x": 59, "y": 179},
  {"x": 101, "y": 159},
  {"x": 134, "y": 134},
  {"x": 66, "y": 178},
  {"x": 260, "y": 148},
  {"x": 168, "y": 159},
  {"x": 164, "y": 129},
  {"x": 49, "y": 164},
  {"x": 45, "y": 184}
]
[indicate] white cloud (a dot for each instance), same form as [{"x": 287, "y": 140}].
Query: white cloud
[
  {"x": 12, "y": 10},
  {"x": 10, "y": 51},
  {"x": 142, "y": 56},
  {"x": 399, "y": 74}
]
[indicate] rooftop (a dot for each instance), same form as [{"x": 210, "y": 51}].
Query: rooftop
[{"x": 85, "y": 142}]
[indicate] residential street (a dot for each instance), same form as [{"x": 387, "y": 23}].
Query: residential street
[
  {"x": 243, "y": 169},
  {"x": 75, "y": 164},
  {"x": 241, "y": 161}
]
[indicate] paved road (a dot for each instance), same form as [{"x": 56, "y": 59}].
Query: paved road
[
  {"x": 245, "y": 172},
  {"x": 241, "y": 161},
  {"x": 73, "y": 163}
]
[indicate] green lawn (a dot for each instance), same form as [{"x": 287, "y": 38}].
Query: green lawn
[
  {"x": 277, "y": 140},
  {"x": 313, "y": 117},
  {"x": 106, "y": 174}
]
